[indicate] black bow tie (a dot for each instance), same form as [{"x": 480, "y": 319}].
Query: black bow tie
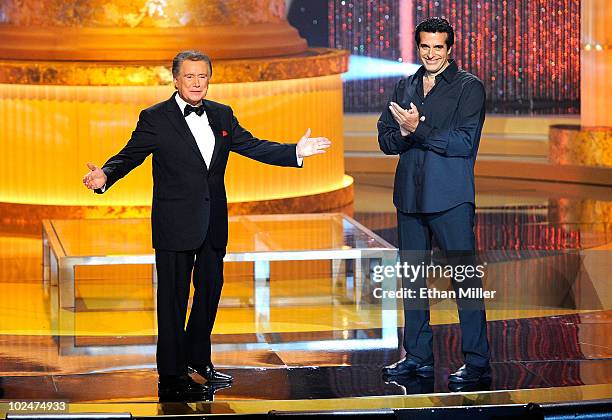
[{"x": 199, "y": 110}]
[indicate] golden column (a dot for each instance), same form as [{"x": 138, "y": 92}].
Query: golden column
[
  {"x": 74, "y": 75},
  {"x": 595, "y": 63},
  {"x": 590, "y": 143}
]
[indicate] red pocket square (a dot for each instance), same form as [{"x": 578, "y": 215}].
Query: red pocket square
[{"x": 224, "y": 133}]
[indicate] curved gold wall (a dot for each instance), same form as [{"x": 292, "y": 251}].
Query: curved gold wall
[{"x": 50, "y": 132}]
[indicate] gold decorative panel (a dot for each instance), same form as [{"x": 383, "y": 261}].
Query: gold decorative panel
[
  {"x": 49, "y": 133},
  {"x": 575, "y": 145}
]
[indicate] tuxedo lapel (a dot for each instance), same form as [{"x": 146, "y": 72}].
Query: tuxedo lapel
[
  {"x": 215, "y": 123},
  {"x": 178, "y": 122}
]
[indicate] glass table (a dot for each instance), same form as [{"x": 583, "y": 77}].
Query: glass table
[{"x": 259, "y": 239}]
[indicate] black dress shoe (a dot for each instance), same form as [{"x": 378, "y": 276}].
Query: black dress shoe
[
  {"x": 483, "y": 385},
  {"x": 470, "y": 374},
  {"x": 212, "y": 388},
  {"x": 180, "y": 388},
  {"x": 407, "y": 366},
  {"x": 209, "y": 373},
  {"x": 413, "y": 384}
]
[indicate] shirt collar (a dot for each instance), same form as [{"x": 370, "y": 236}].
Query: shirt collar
[
  {"x": 448, "y": 74},
  {"x": 181, "y": 103}
]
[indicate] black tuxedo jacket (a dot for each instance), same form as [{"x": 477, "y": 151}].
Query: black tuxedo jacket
[{"x": 189, "y": 199}]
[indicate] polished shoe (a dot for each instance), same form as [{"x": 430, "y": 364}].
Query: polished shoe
[
  {"x": 483, "y": 385},
  {"x": 209, "y": 373},
  {"x": 407, "y": 366},
  {"x": 212, "y": 388},
  {"x": 470, "y": 374},
  {"x": 180, "y": 388},
  {"x": 413, "y": 384}
]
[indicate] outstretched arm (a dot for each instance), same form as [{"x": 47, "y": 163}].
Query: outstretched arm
[
  {"x": 141, "y": 144},
  {"x": 273, "y": 153}
]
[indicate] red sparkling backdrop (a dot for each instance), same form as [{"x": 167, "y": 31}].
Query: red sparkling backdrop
[
  {"x": 527, "y": 52},
  {"x": 368, "y": 28}
]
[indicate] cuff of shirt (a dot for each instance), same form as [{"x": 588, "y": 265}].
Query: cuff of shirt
[
  {"x": 422, "y": 131},
  {"x": 300, "y": 160}
]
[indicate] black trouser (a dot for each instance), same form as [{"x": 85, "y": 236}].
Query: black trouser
[
  {"x": 178, "y": 346},
  {"x": 453, "y": 230}
]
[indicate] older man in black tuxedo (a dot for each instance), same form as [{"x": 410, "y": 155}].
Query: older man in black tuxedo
[{"x": 190, "y": 139}]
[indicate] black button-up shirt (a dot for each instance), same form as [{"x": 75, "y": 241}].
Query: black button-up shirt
[{"x": 436, "y": 167}]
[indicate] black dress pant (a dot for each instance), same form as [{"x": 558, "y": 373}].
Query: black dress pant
[
  {"x": 453, "y": 231},
  {"x": 177, "y": 346}
]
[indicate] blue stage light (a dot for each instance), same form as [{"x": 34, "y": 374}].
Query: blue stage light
[{"x": 362, "y": 68}]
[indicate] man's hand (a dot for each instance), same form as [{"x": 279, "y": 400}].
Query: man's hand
[
  {"x": 95, "y": 178},
  {"x": 408, "y": 119},
  {"x": 309, "y": 146}
]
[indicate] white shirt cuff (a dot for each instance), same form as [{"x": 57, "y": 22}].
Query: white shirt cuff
[{"x": 300, "y": 160}]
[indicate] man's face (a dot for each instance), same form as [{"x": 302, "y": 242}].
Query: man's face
[
  {"x": 433, "y": 50},
  {"x": 192, "y": 81}
]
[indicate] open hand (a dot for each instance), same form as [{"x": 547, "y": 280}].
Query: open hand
[
  {"x": 95, "y": 178},
  {"x": 309, "y": 146}
]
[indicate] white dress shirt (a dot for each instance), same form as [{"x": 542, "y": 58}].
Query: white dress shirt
[
  {"x": 205, "y": 138},
  {"x": 201, "y": 130}
]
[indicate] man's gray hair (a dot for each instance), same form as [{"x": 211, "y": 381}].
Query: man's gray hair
[{"x": 192, "y": 55}]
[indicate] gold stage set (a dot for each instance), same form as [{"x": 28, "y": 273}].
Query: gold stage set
[
  {"x": 72, "y": 86},
  {"x": 298, "y": 326}
]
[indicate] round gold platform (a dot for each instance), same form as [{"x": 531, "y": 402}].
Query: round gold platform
[
  {"x": 576, "y": 145},
  {"x": 26, "y": 218}
]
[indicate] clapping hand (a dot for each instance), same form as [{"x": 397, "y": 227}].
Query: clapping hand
[{"x": 408, "y": 119}]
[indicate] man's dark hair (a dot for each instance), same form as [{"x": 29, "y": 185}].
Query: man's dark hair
[
  {"x": 433, "y": 25},
  {"x": 192, "y": 55}
]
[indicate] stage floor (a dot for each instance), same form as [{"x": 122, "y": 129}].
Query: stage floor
[{"x": 326, "y": 352}]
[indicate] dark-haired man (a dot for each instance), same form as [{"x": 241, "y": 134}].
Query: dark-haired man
[
  {"x": 433, "y": 121},
  {"x": 190, "y": 139}
]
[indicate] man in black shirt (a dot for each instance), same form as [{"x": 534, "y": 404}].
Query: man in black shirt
[{"x": 433, "y": 122}]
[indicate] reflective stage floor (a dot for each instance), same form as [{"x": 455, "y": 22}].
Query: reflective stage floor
[{"x": 551, "y": 337}]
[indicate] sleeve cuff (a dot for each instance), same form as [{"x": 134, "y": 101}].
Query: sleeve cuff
[
  {"x": 300, "y": 160},
  {"x": 401, "y": 137},
  {"x": 422, "y": 131}
]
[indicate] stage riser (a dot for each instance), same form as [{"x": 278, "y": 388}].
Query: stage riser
[{"x": 506, "y": 169}]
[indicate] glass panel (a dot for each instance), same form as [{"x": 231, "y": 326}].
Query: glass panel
[{"x": 333, "y": 231}]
